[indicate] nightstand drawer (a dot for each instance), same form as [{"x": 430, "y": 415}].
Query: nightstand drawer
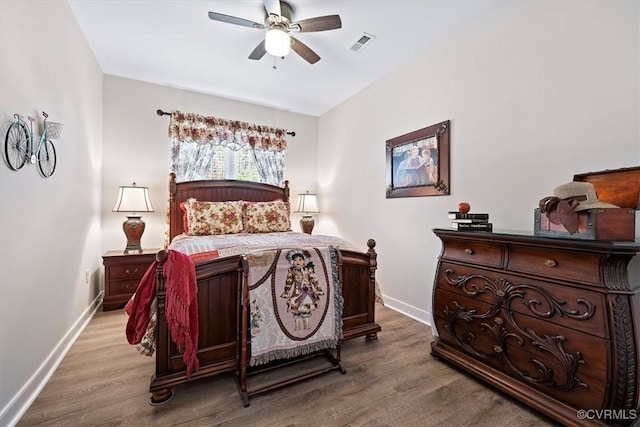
[
  {"x": 128, "y": 271},
  {"x": 123, "y": 287},
  {"x": 122, "y": 275}
]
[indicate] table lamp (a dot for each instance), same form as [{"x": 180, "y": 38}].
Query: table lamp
[
  {"x": 135, "y": 200},
  {"x": 307, "y": 204}
]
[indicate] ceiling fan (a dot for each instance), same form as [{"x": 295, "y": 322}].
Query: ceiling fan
[{"x": 279, "y": 22}]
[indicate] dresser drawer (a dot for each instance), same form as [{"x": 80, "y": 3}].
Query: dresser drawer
[
  {"x": 564, "y": 363},
  {"x": 572, "y": 266},
  {"x": 128, "y": 271},
  {"x": 573, "y": 308},
  {"x": 484, "y": 253}
]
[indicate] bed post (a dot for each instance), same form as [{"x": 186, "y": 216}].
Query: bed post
[
  {"x": 373, "y": 265},
  {"x": 241, "y": 370},
  {"x": 172, "y": 200},
  {"x": 160, "y": 393},
  {"x": 286, "y": 191}
]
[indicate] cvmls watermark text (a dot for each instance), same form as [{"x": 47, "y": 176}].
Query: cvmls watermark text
[{"x": 607, "y": 414}]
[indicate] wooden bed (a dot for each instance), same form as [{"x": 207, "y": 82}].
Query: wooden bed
[{"x": 219, "y": 292}]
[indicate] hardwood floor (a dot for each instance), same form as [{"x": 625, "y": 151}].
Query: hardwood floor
[{"x": 104, "y": 381}]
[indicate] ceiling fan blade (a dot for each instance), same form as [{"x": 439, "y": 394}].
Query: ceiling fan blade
[
  {"x": 320, "y": 23},
  {"x": 258, "y": 52},
  {"x": 234, "y": 20},
  {"x": 272, "y": 7},
  {"x": 304, "y": 51}
]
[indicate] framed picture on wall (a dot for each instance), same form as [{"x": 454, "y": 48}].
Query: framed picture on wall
[{"x": 418, "y": 162}]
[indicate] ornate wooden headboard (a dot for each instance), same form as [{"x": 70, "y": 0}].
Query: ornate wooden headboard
[{"x": 217, "y": 191}]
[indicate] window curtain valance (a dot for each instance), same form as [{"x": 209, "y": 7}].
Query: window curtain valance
[{"x": 189, "y": 127}]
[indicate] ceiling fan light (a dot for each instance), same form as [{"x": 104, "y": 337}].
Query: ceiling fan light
[{"x": 277, "y": 42}]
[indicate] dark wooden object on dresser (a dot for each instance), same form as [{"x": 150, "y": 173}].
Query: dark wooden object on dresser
[
  {"x": 122, "y": 273},
  {"x": 551, "y": 322}
]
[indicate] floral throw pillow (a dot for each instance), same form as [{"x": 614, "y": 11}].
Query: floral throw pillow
[
  {"x": 206, "y": 218},
  {"x": 266, "y": 217}
]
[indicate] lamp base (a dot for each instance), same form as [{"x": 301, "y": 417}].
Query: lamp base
[
  {"x": 306, "y": 223},
  {"x": 133, "y": 228}
]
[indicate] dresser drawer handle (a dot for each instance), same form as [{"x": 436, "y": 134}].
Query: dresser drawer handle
[
  {"x": 468, "y": 251},
  {"x": 129, "y": 272},
  {"x": 132, "y": 286},
  {"x": 550, "y": 263}
]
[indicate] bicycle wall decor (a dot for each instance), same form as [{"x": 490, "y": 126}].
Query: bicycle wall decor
[{"x": 20, "y": 145}]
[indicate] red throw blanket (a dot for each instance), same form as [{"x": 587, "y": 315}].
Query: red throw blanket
[{"x": 181, "y": 306}]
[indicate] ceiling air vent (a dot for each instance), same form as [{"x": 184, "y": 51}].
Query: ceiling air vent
[{"x": 364, "y": 40}]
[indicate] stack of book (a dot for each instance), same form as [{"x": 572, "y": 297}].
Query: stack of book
[{"x": 470, "y": 221}]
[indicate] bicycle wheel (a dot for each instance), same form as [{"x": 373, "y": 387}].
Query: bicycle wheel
[
  {"x": 16, "y": 142},
  {"x": 47, "y": 159}
]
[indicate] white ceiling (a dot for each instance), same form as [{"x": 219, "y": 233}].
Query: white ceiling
[{"x": 174, "y": 43}]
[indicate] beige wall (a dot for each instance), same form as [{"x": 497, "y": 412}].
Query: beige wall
[
  {"x": 49, "y": 228},
  {"x": 548, "y": 90}
]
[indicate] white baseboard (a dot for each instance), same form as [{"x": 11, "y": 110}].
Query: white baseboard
[
  {"x": 15, "y": 409},
  {"x": 415, "y": 313}
]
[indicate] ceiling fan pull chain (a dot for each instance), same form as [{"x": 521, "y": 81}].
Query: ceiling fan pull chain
[{"x": 275, "y": 67}]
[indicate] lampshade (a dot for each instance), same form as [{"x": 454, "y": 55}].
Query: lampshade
[
  {"x": 133, "y": 199},
  {"x": 308, "y": 203},
  {"x": 277, "y": 42}
]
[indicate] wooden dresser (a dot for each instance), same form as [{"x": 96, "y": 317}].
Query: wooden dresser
[
  {"x": 551, "y": 322},
  {"x": 122, "y": 273}
]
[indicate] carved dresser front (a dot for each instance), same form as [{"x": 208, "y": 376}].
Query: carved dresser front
[{"x": 551, "y": 322}]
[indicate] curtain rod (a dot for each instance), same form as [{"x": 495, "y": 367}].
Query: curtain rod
[{"x": 164, "y": 113}]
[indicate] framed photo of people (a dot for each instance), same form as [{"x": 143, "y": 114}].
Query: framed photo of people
[{"x": 418, "y": 162}]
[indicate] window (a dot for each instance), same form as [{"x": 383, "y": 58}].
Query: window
[
  {"x": 205, "y": 161},
  {"x": 212, "y": 148},
  {"x": 230, "y": 164}
]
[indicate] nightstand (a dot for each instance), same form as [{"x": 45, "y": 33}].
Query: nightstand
[{"x": 122, "y": 273}]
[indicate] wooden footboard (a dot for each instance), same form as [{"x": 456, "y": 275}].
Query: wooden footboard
[
  {"x": 358, "y": 278},
  {"x": 219, "y": 290}
]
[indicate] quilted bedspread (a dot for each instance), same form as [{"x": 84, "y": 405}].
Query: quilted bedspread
[{"x": 204, "y": 248}]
